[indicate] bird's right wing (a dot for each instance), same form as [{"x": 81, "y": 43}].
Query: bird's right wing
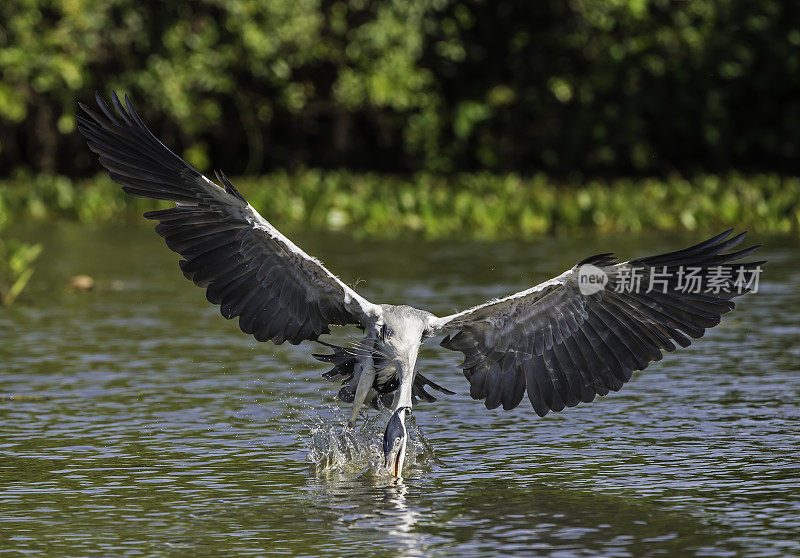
[
  {"x": 247, "y": 266},
  {"x": 566, "y": 341}
]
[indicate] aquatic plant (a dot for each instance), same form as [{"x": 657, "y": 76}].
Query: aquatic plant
[
  {"x": 476, "y": 205},
  {"x": 16, "y": 268}
]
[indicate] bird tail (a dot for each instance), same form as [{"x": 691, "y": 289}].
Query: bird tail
[{"x": 344, "y": 362}]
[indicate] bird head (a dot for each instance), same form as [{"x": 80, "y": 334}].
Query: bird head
[
  {"x": 401, "y": 331},
  {"x": 395, "y": 439},
  {"x": 400, "y": 334}
]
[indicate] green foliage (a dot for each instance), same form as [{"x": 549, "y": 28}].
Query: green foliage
[
  {"x": 638, "y": 87},
  {"x": 477, "y": 205},
  {"x": 16, "y": 268},
  {"x": 198, "y": 63}
]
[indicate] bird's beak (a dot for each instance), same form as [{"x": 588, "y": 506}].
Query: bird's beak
[{"x": 394, "y": 442}]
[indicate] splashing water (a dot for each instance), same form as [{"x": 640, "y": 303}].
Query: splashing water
[{"x": 337, "y": 449}]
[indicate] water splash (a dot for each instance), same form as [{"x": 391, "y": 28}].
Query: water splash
[{"x": 339, "y": 450}]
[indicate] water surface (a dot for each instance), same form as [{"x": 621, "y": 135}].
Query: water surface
[{"x": 137, "y": 421}]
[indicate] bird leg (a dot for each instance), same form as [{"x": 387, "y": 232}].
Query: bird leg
[{"x": 366, "y": 377}]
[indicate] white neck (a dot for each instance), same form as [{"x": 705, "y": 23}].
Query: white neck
[{"x": 406, "y": 370}]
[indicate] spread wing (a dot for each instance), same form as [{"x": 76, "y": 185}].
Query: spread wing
[
  {"x": 246, "y": 265},
  {"x": 565, "y": 347}
]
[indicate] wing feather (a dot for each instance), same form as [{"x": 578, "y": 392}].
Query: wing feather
[
  {"x": 246, "y": 265},
  {"x": 564, "y": 347}
]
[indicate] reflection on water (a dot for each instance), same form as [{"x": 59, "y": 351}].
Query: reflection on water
[{"x": 145, "y": 424}]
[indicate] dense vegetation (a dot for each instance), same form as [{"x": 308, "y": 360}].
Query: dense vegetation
[
  {"x": 487, "y": 118},
  {"x": 467, "y": 204},
  {"x": 604, "y": 87}
]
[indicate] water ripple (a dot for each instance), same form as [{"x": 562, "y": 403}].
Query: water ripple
[{"x": 139, "y": 422}]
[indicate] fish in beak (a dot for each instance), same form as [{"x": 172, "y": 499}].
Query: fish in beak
[{"x": 394, "y": 442}]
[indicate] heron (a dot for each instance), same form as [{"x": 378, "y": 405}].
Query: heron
[{"x": 561, "y": 342}]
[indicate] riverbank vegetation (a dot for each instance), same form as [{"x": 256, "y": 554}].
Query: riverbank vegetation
[
  {"x": 16, "y": 267},
  {"x": 478, "y": 205},
  {"x": 613, "y": 88}
]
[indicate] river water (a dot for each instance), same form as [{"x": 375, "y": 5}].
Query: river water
[{"x": 135, "y": 421}]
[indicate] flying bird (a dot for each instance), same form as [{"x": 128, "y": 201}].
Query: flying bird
[{"x": 562, "y": 342}]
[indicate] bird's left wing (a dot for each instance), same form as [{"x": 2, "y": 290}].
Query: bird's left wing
[
  {"x": 565, "y": 341},
  {"x": 247, "y": 266}
]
